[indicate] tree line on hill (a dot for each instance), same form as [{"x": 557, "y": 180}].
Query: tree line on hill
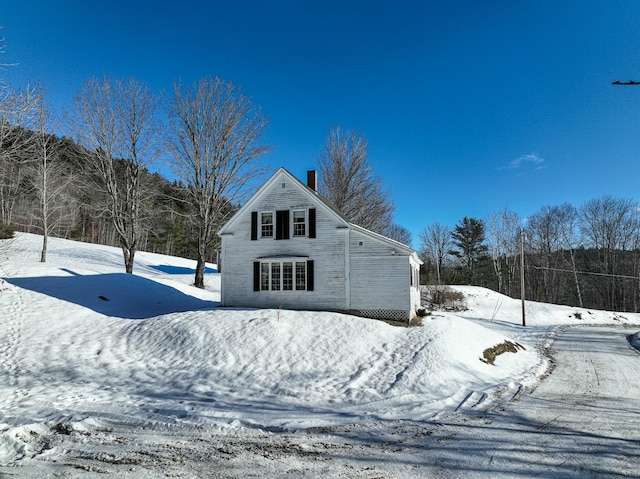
[
  {"x": 73, "y": 209},
  {"x": 586, "y": 256}
]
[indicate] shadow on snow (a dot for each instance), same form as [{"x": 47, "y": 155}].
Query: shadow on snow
[
  {"x": 116, "y": 294},
  {"x": 168, "y": 269}
]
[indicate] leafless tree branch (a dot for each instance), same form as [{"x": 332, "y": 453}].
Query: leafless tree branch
[
  {"x": 347, "y": 181},
  {"x": 214, "y": 142},
  {"x": 114, "y": 120}
]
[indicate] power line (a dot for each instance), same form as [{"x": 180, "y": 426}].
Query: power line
[{"x": 585, "y": 272}]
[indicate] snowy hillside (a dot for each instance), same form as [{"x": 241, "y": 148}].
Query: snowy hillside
[{"x": 82, "y": 344}]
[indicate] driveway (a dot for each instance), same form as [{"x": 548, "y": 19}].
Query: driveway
[{"x": 583, "y": 420}]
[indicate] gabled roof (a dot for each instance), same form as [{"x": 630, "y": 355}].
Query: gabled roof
[
  {"x": 314, "y": 195},
  {"x": 326, "y": 204},
  {"x": 384, "y": 239}
]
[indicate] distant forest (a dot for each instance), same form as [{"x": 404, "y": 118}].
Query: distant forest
[{"x": 586, "y": 256}]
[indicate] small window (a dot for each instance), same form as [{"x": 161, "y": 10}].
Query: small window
[
  {"x": 299, "y": 223},
  {"x": 266, "y": 223}
]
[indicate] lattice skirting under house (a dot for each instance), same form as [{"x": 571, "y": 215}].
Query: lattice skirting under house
[{"x": 388, "y": 314}]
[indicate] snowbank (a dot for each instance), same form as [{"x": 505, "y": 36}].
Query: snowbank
[
  {"x": 83, "y": 343},
  {"x": 485, "y": 304}
]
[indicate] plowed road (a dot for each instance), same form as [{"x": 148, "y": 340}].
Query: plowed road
[{"x": 583, "y": 420}]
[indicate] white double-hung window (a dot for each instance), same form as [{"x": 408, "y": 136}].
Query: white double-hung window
[
  {"x": 266, "y": 224},
  {"x": 299, "y": 223},
  {"x": 283, "y": 224}
]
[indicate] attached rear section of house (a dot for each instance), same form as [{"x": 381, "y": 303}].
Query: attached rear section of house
[{"x": 287, "y": 247}]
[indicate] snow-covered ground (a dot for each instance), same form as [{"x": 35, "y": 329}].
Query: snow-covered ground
[{"x": 145, "y": 375}]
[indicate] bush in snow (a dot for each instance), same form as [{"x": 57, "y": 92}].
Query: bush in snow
[
  {"x": 6, "y": 231},
  {"x": 443, "y": 297}
]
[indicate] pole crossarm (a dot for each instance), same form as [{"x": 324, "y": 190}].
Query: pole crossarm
[{"x": 630, "y": 82}]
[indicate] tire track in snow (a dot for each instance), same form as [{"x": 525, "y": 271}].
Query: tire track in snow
[
  {"x": 404, "y": 367},
  {"x": 471, "y": 401},
  {"x": 380, "y": 374},
  {"x": 10, "y": 342},
  {"x": 384, "y": 373}
]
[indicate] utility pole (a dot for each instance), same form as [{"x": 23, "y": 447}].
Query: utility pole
[{"x": 522, "y": 273}]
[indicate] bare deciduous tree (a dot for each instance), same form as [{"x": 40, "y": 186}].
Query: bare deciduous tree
[
  {"x": 502, "y": 237},
  {"x": 113, "y": 120},
  {"x": 610, "y": 225},
  {"x": 16, "y": 115},
  {"x": 3, "y": 65},
  {"x": 49, "y": 177},
  {"x": 214, "y": 141},
  {"x": 544, "y": 240},
  {"x": 399, "y": 233},
  {"x": 347, "y": 180},
  {"x": 569, "y": 234},
  {"x": 435, "y": 244}
]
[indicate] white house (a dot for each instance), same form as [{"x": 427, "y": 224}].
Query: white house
[{"x": 288, "y": 247}]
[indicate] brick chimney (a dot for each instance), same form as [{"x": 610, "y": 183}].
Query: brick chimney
[{"x": 312, "y": 179}]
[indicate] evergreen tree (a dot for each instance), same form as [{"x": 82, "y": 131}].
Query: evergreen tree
[{"x": 468, "y": 237}]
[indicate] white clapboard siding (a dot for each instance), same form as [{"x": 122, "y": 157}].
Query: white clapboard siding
[
  {"x": 327, "y": 251},
  {"x": 354, "y": 269},
  {"x": 380, "y": 274},
  {"x": 387, "y": 287}
]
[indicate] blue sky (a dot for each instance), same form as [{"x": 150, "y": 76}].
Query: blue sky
[{"x": 468, "y": 107}]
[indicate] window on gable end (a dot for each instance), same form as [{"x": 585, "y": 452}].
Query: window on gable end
[
  {"x": 266, "y": 224},
  {"x": 275, "y": 275},
  {"x": 299, "y": 223}
]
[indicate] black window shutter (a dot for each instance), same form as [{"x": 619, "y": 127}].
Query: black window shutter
[
  {"x": 310, "y": 275},
  {"x": 256, "y": 275},
  {"x": 282, "y": 224},
  {"x": 254, "y": 225},
  {"x": 312, "y": 222}
]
